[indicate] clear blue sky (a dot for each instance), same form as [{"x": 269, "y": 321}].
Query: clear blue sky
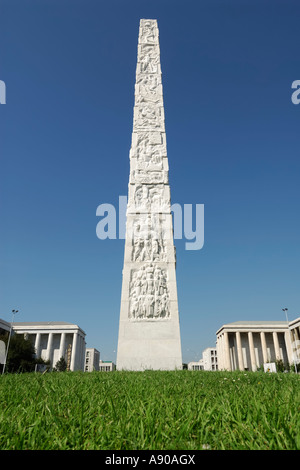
[{"x": 233, "y": 145}]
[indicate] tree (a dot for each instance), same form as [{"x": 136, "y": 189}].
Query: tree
[
  {"x": 61, "y": 365},
  {"x": 281, "y": 366},
  {"x": 21, "y": 354}
]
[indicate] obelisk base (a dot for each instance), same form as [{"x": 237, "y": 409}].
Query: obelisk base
[{"x": 149, "y": 345}]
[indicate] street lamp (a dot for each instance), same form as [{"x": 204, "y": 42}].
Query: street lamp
[
  {"x": 12, "y": 321},
  {"x": 286, "y": 310}
]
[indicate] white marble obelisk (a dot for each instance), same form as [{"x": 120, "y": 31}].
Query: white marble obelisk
[{"x": 149, "y": 333}]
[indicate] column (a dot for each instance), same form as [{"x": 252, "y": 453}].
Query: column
[
  {"x": 49, "y": 351},
  {"x": 227, "y": 351},
  {"x": 239, "y": 350},
  {"x": 220, "y": 351},
  {"x": 62, "y": 346},
  {"x": 288, "y": 345},
  {"x": 252, "y": 352},
  {"x": 233, "y": 353},
  {"x": 276, "y": 346},
  {"x": 297, "y": 336},
  {"x": 264, "y": 347},
  {"x": 81, "y": 353},
  {"x": 297, "y": 343},
  {"x": 37, "y": 345},
  {"x": 74, "y": 350}
]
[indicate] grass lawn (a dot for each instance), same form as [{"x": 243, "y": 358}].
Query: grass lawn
[{"x": 178, "y": 410}]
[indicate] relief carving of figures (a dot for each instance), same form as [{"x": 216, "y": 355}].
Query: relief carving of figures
[
  {"x": 148, "y": 116},
  {"x": 143, "y": 142},
  {"x": 143, "y": 176},
  {"x": 146, "y": 249},
  {"x": 150, "y": 50},
  {"x": 148, "y": 32},
  {"x": 148, "y": 239},
  {"x": 150, "y": 158},
  {"x": 151, "y": 161},
  {"x": 149, "y": 198},
  {"x": 149, "y": 297},
  {"x": 148, "y": 88},
  {"x": 149, "y": 59},
  {"x": 147, "y": 152},
  {"x": 150, "y": 64}
]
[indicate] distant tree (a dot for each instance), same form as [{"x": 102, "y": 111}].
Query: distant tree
[
  {"x": 61, "y": 365},
  {"x": 281, "y": 366},
  {"x": 21, "y": 354}
]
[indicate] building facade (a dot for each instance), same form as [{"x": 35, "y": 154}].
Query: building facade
[
  {"x": 247, "y": 345},
  {"x": 92, "y": 359},
  {"x": 210, "y": 359},
  {"x": 106, "y": 366},
  {"x": 294, "y": 327},
  {"x": 53, "y": 340},
  {"x": 196, "y": 365},
  {"x": 4, "y": 327}
]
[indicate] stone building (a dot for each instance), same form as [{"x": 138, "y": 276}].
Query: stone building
[
  {"x": 53, "y": 340},
  {"x": 247, "y": 345},
  {"x": 107, "y": 366},
  {"x": 4, "y": 327},
  {"x": 210, "y": 359},
  {"x": 196, "y": 365},
  {"x": 92, "y": 358}
]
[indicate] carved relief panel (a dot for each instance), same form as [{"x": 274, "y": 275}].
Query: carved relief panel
[
  {"x": 148, "y": 147},
  {"x": 144, "y": 176},
  {"x": 148, "y": 249},
  {"x": 155, "y": 226},
  {"x": 148, "y": 198},
  {"x": 148, "y": 59},
  {"x": 148, "y": 32},
  {"x": 149, "y": 296},
  {"x": 148, "y": 89},
  {"x": 148, "y": 116}
]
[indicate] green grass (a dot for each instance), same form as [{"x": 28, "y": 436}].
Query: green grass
[{"x": 181, "y": 410}]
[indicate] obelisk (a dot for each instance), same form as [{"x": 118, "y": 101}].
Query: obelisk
[{"x": 149, "y": 332}]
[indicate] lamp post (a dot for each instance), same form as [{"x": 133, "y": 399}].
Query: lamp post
[
  {"x": 286, "y": 310},
  {"x": 11, "y": 325}
]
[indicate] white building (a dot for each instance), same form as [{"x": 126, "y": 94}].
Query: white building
[
  {"x": 92, "y": 359},
  {"x": 106, "y": 366},
  {"x": 210, "y": 359},
  {"x": 53, "y": 340},
  {"x": 196, "y": 365},
  {"x": 247, "y": 345},
  {"x": 4, "y": 327}
]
